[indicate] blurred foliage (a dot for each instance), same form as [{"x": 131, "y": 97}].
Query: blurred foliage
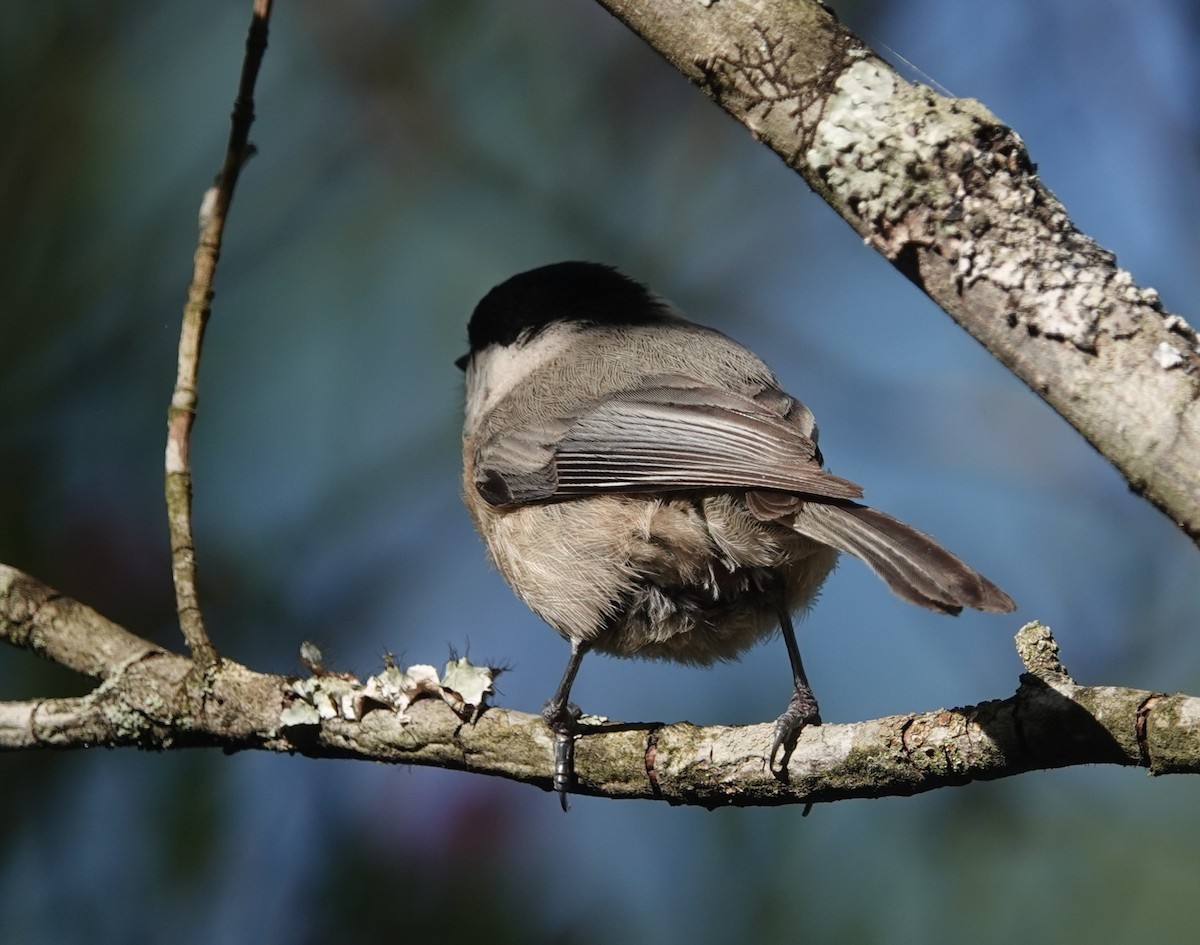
[{"x": 412, "y": 154}]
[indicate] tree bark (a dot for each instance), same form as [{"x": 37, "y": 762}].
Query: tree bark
[{"x": 948, "y": 194}]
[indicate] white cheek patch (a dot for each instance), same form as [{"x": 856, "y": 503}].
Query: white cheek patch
[{"x": 496, "y": 370}]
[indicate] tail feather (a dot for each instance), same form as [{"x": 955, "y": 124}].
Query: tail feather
[{"x": 915, "y": 567}]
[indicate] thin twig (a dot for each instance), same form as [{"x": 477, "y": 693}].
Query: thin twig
[{"x": 213, "y": 211}]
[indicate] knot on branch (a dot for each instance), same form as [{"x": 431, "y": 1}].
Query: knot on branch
[{"x": 1038, "y": 651}]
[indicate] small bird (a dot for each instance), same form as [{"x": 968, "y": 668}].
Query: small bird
[{"x": 648, "y": 489}]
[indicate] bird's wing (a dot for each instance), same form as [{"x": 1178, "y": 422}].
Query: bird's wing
[{"x": 669, "y": 434}]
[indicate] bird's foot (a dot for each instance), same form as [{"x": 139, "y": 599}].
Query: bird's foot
[
  {"x": 801, "y": 711},
  {"x": 562, "y": 718}
]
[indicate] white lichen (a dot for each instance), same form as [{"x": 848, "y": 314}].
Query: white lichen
[{"x": 326, "y": 695}]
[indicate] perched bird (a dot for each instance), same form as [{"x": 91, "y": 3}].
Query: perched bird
[{"x": 646, "y": 487}]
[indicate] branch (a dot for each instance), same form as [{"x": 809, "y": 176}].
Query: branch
[
  {"x": 948, "y": 194},
  {"x": 145, "y": 700},
  {"x": 182, "y": 412}
]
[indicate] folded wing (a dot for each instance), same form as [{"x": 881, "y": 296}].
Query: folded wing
[{"x": 674, "y": 434}]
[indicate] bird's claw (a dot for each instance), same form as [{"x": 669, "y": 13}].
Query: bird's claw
[
  {"x": 801, "y": 711},
  {"x": 564, "y": 766},
  {"x": 563, "y": 722}
]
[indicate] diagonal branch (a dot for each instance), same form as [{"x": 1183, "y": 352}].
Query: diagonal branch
[
  {"x": 182, "y": 411},
  {"x": 143, "y": 701},
  {"x": 948, "y": 194}
]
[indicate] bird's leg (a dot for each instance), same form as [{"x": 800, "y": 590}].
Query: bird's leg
[
  {"x": 562, "y": 717},
  {"x": 802, "y": 707}
]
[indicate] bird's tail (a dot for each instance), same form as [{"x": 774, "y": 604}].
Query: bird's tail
[{"x": 914, "y": 566}]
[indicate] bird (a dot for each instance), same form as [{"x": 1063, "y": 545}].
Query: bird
[{"x": 645, "y": 485}]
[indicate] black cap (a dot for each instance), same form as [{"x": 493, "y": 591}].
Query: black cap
[{"x": 529, "y": 302}]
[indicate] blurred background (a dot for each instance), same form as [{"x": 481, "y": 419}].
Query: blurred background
[{"x": 411, "y": 155}]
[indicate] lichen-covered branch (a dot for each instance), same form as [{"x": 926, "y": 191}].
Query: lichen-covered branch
[
  {"x": 147, "y": 699},
  {"x": 947, "y": 192}
]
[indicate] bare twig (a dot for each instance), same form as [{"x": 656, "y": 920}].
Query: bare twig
[{"x": 180, "y": 415}]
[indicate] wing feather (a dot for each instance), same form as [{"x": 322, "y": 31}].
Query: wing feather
[{"x": 678, "y": 434}]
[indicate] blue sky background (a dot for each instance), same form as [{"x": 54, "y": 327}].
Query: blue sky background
[{"x": 412, "y": 155}]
